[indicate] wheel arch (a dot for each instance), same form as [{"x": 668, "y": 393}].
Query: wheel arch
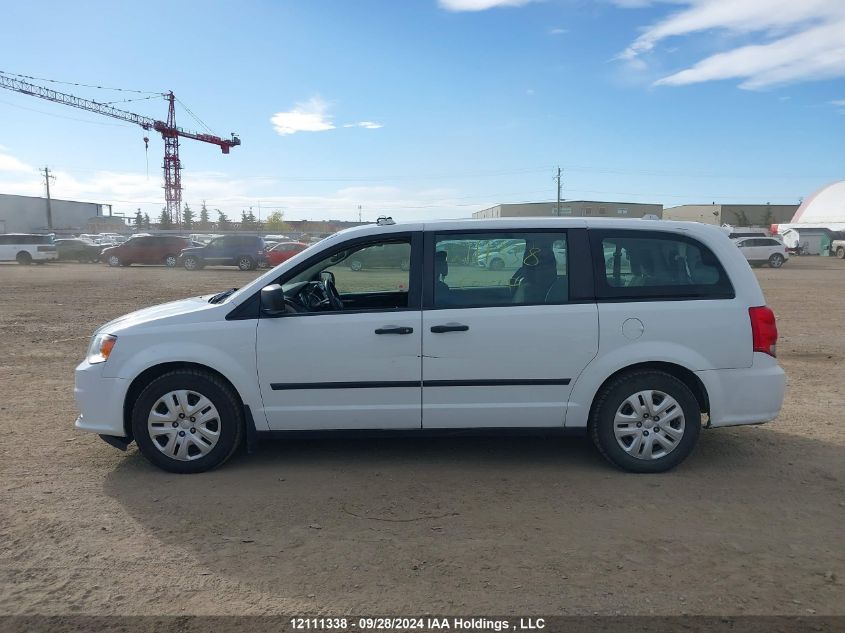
[
  {"x": 680, "y": 372},
  {"x": 151, "y": 373}
]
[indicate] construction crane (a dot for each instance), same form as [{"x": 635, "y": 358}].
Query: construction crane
[{"x": 168, "y": 130}]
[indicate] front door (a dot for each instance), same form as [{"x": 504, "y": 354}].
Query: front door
[
  {"x": 353, "y": 368},
  {"x": 502, "y": 347}
]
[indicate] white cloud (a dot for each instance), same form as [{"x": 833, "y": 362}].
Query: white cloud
[
  {"x": 309, "y": 116},
  {"x": 479, "y": 5},
  {"x": 558, "y": 31},
  {"x": 801, "y": 40},
  {"x": 839, "y": 102},
  {"x": 369, "y": 125},
  {"x": 10, "y": 163}
]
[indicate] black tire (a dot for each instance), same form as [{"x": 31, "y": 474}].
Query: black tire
[
  {"x": 24, "y": 258},
  {"x": 356, "y": 265},
  {"x": 171, "y": 261},
  {"x": 191, "y": 262},
  {"x": 613, "y": 395},
  {"x": 221, "y": 396},
  {"x": 245, "y": 262},
  {"x": 840, "y": 252},
  {"x": 497, "y": 264},
  {"x": 776, "y": 260},
  {"x": 114, "y": 261}
]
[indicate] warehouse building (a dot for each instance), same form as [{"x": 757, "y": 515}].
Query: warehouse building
[
  {"x": 27, "y": 214},
  {"x": 572, "y": 208},
  {"x": 762, "y": 215}
]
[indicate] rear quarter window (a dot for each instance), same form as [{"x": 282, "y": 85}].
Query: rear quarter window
[{"x": 651, "y": 265}]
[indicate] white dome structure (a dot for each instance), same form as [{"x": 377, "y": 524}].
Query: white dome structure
[{"x": 825, "y": 207}]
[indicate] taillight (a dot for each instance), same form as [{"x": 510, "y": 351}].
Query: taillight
[{"x": 764, "y": 330}]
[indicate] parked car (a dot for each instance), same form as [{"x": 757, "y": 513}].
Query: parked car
[
  {"x": 381, "y": 256},
  {"x": 247, "y": 252},
  {"x": 837, "y": 247},
  {"x": 79, "y": 250},
  {"x": 639, "y": 358},
  {"x": 26, "y": 248},
  {"x": 146, "y": 249},
  {"x": 763, "y": 250},
  {"x": 283, "y": 251},
  {"x": 510, "y": 256}
]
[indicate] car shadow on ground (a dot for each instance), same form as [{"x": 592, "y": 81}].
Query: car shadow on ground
[{"x": 419, "y": 518}]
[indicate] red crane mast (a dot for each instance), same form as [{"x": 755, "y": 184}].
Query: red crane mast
[{"x": 169, "y": 131}]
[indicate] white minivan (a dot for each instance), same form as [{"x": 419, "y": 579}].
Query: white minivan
[{"x": 637, "y": 332}]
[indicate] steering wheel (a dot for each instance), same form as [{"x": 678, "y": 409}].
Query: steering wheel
[{"x": 332, "y": 294}]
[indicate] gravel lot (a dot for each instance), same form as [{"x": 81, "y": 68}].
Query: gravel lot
[{"x": 752, "y": 523}]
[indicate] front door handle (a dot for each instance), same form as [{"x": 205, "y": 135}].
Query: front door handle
[
  {"x": 395, "y": 329},
  {"x": 449, "y": 327}
]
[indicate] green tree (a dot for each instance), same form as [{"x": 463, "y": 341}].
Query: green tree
[
  {"x": 187, "y": 217},
  {"x": 222, "y": 221},
  {"x": 204, "y": 221},
  {"x": 164, "y": 219},
  {"x": 247, "y": 220},
  {"x": 276, "y": 222},
  {"x": 146, "y": 220},
  {"x": 139, "y": 219}
]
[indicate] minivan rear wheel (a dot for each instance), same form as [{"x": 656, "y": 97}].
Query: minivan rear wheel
[
  {"x": 114, "y": 261},
  {"x": 840, "y": 252},
  {"x": 170, "y": 261},
  {"x": 645, "y": 421},
  {"x": 187, "y": 421},
  {"x": 24, "y": 258},
  {"x": 246, "y": 263},
  {"x": 776, "y": 260}
]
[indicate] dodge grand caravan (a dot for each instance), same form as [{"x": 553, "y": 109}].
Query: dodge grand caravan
[{"x": 636, "y": 332}]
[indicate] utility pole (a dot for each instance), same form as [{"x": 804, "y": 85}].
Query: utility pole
[
  {"x": 359, "y": 214},
  {"x": 47, "y": 177},
  {"x": 557, "y": 206}
]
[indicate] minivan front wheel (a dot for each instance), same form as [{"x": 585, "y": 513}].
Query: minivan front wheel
[
  {"x": 187, "y": 421},
  {"x": 191, "y": 263},
  {"x": 645, "y": 421}
]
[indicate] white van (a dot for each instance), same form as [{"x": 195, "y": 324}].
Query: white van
[
  {"x": 639, "y": 333},
  {"x": 26, "y": 248}
]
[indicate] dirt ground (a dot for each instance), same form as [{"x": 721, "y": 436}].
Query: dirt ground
[{"x": 752, "y": 523}]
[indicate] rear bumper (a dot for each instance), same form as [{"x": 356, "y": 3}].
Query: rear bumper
[{"x": 751, "y": 395}]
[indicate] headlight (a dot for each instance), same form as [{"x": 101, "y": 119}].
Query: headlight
[{"x": 101, "y": 348}]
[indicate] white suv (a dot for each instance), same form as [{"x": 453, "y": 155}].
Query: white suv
[
  {"x": 763, "y": 250},
  {"x": 26, "y": 248},
  {"x": 634, "y": 331}
]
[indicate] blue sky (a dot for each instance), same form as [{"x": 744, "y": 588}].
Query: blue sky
[{"x": 434, "y": 108}]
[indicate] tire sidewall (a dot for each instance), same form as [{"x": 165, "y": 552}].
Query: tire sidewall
[
  {"x": 245, "y": 263},
  {"x": 171, "y": 261},
  {"x": 23, "y": 258},
  {"x": 356, "y": 265},
  {"x": 113, "y": 261},
  {"x": 776, "y": 261},
  {"x": 225, "y": 402},
  {"x": 611, "y": 398},
  {"x": 191, "y": 263}
]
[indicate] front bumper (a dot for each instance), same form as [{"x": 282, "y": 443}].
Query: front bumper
[
  {"x": 752, "y": 395},
  {"x": 99, "y": 400},
  {"x": 44, "y": 256}
]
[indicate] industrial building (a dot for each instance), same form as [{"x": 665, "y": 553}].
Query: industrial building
[
  {"x": 27, "y": 214},
  {"x": 572, "y": 208},
  {"x": 762, "y": 215}
]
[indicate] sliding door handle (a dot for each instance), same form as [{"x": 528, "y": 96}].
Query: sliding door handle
[
  {"x": 395, "y": 329},
  {"x": 449, "y": 327}
]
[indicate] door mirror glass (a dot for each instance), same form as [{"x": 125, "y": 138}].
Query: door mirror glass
[
  {"x": 272, "y": 300},
  {"x": 327, "y": 277}
]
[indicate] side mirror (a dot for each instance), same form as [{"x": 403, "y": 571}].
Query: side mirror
[
  {"x": 272, "y": 300},
  {"x": 327, "y": 276}
]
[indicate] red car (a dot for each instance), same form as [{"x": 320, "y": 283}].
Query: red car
[
  {"x": 283, "y": 251},
  {"x": 146, "y": 249}
]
